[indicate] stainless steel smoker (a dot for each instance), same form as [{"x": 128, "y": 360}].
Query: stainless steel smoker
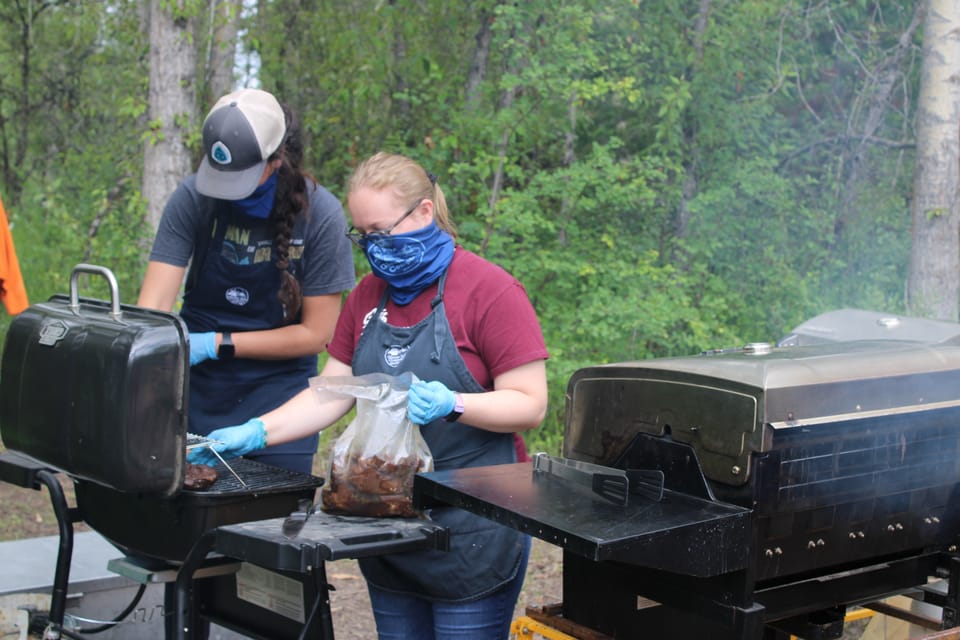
[{"x": 795, "y": 480}]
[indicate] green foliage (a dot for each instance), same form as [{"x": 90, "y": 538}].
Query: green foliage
[
  {"x": 76, "y": 198},
  {"x": 665, "y": 182},
  {"x": 93, "y": 227}
]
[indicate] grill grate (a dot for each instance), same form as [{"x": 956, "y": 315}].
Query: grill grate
[{"x": 259, "y": 478}]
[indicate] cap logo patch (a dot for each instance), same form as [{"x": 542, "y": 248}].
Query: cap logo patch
[{"x": 220, "y": 153}]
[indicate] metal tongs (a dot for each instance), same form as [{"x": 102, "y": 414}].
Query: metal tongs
[
  {"x": 195, "y": 442},
  {"x": 616, "y": 485},
  {"x": 293, "y": 524}
]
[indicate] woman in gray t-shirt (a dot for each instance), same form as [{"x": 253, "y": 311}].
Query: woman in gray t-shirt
[{"x": 268, "y": 261}]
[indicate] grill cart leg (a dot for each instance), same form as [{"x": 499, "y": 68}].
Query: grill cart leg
[
  {"x": 321, "y": 607},
  {"x": 26, "y": 473},
  {"x": 187, "y": 623},
  {"x": 61, "y": 579}
]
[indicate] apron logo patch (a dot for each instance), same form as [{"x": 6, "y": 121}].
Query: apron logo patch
[
  {"x": 393, "y": 356},
  {"x": 237, "y": 296}
]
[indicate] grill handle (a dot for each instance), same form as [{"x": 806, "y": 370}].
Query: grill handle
[{"x": 94, "y": 270}]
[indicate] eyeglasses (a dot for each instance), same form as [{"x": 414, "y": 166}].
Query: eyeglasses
[{"x": 361, "y": 239}]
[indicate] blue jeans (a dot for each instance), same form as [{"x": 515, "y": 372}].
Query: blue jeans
[{"x": 406, "y": 617}]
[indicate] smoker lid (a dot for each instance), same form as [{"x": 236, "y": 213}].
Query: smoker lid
[
  {"x": 784, "y": 367},
  {"x": 723, "y": 403},
  {"x": 844, "y": 325}
]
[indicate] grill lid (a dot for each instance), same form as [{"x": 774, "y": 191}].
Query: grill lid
[{"x": 97, "y": 389}]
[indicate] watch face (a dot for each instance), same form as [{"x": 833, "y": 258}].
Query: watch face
[{"x": 226, "y": 349}]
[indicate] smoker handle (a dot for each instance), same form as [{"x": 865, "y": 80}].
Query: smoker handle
[{"x": 95, "y": 270}]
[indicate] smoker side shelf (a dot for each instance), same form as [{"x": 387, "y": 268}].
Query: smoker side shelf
[{"x": 655, "y": 534}]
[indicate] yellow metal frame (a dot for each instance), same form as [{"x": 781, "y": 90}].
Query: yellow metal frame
[
  {"x": 523, "y": 628},
  {"x": 526, "y": 628}
]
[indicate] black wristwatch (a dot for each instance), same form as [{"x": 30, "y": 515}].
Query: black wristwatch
[
  {"x": 226, "y": 350},
  {"x": 454, "y": 415}
]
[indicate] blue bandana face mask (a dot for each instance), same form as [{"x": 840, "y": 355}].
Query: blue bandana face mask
[
  {"x": 410, "y": 262},
  {"x": 259, "y": 203}
]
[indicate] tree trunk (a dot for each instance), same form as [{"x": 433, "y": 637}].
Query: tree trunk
[
  {"x": 932, "y": 287},
  {"x": 477, "y": 70},
  {"x": 877, "y": 94},
  {"x": 170, "y": 104},
  {"x": 507, "y": 97},
  {"x": 506, "y": 101},
  {"x": 25, "y": 18},
  {"x": 221, "y": 53},
  {"x": 400, "y": 106},
  {"x": 689, "y": 182}
]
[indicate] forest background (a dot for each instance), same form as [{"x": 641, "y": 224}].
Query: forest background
[{"x": 663, "y": 176}]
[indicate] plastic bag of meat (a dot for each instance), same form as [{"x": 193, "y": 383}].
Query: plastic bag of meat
[{"x": 371, "y": 465}]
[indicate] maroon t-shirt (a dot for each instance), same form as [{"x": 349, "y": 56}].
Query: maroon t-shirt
[{"x": 490, "y": 316}]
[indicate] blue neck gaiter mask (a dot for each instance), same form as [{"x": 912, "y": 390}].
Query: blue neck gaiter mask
[
  {"x": 410, "y": 262},
  {"x": 259, "y": 203}
]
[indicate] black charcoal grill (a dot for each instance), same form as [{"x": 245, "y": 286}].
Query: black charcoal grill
[
  {"x": 98, "y": 390},
  {"x": 797, "y": 481},
  {"x": 168, "y": 528}
]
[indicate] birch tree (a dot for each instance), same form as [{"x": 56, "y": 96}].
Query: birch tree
[
  {"x": 170, "y": 103},
  {"x": 932, "y": 288},
  {"x": 221, "y": 37}
]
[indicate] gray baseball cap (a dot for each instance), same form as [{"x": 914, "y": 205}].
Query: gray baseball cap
[{"x": 241, "y": 131}]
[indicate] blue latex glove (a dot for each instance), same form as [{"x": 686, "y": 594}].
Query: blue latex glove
[
  {"x": 232, "y": 442},
  {"x": 203, "y": 346},
  {"x": 428, "y": 401}
]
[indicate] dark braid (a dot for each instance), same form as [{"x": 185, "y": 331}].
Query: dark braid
[{"x": 290, "y": 202}]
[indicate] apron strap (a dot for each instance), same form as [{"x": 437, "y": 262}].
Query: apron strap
[{"x": 438, "y": 330}]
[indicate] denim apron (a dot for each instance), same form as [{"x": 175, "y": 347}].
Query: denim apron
[
  {"x": 483, "y": 555},
  {"x": 231, "y": 292}
]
